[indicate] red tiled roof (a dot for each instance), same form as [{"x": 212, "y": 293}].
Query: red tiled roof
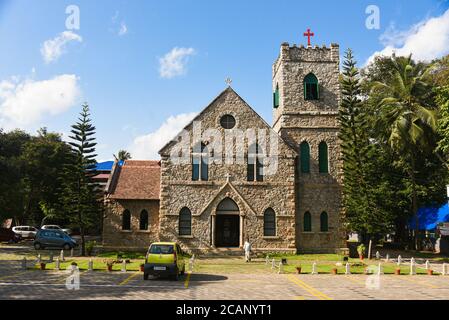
[
  {"x": 101, "y": 176},
  {"x": 137, "y": 180}
]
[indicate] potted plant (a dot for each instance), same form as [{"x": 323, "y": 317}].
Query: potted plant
[
  {"x": 361, "y": 251},
  {"x": 43, "y": 264},
  {"x": 90, "y": 247},
  {"x": 109, "y": 264},
  {"x": 334, "y": 271},
  {"x": 298, "y": 269},
  {"x": 397, "y": 271},
  {"x": 142, "y": 267}
]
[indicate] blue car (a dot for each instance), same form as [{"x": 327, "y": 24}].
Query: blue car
[{"x": 53, "y": 239}]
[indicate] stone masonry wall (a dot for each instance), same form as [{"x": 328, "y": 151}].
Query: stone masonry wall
[
  {"x": 114, "y": 238},
  {"x": 299, "y": 120},
  {"x": 253, "y": 198}
]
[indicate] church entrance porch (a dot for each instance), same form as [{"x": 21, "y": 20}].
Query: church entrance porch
[
  {"x": 227, "y": 231},
  {"x": 227, "y": 225}
]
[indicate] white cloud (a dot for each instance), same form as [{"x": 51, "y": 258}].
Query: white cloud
[
  {"x": 123, "y": 29},
  {"x": 174, "y": 63},
  {"x": 147, "y": 146},
  {"x": 52, "y": 49},
  {"x": 426, "y": 40},
  {"x": 25, "y": 102}
]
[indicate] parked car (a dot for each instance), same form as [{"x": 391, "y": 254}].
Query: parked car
[
  {"x": 7, "y": 235},
  {"x": 25, "y": 231},
  {"x": 55, "y": 227},
  {"x": 164, "y": 258},
  {"x": 53, "y": 239}
]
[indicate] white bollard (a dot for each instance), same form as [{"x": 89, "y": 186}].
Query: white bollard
[
  {"x": 314, "y": 268},
  {"x": 267, "y": 260},
  {"x": 273, "y": 264},
  {"x": 412, "y": 267},
  {"x": 124, "y": 266},
  {"x": 427, "y": 265},
  {"x": 387, "y": 258},
  {"x": 444, "y": 269},
  {"x": 57, "y": 264},
  {"x": 347, "y": 268},
  {"x": 39, "y": 258},
  {"x": 281, "y": 268},
  {"x": 377, "y": 255},
  {"x": 191, "y": 261},
  {"x": 24, "y": 263},
  {"x": 61, "y": 256},
  {"x": 379, "y": 269},
  {"x": 90, "y": 265},
  {"x": 399, "y": 260}
]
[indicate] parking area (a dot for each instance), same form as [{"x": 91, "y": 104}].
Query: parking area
[{"x": 36, "y": 284}]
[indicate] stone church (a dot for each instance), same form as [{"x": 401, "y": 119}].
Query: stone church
[{"x": 216, "y": 206}]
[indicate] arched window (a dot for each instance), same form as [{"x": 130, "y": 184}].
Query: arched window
[
  {"x": 311, "y": 87},
  {"x": 185, "y": 222},
  {"x": 255, "y": 166},
  {"x": 143, "y": 221},
  {"x": 276, "y": 97},
  {"x": 269, "y": 223},
  {"x": 305, "y": 157},
  {"x": 126, "y": 220},
  {"x": 324, "y": 224},
  {"x": 323, "y": 159},
  {"x": 307, "y": 222},
  {"x": 200, "y": 162}
]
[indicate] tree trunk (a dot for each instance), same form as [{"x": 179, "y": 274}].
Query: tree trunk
[{"x": 415, "y": 205}]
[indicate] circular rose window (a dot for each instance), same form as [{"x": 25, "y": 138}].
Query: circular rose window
[{"x": 227, "y": 121}]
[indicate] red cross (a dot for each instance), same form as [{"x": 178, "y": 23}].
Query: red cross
[{"x": 308, "y": 34}]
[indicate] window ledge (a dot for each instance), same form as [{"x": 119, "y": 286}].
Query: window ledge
[
  {"x": 271, "y": 237},
  {"x": 308, "y": 232},
  {"x": 324, "y": 232},
  {"x": 143, "y": 231},
  {"x": 126, "y": 231},
  {"x": 185, "y": 237}
]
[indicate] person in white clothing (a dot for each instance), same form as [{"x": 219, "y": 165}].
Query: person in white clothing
[{"x": 247, "y": 248}]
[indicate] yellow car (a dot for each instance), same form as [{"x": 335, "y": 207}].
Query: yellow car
[{"x": 164, "y": 258}]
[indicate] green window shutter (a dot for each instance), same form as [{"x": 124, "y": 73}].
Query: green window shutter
[
  {"x": 307, "y": 222},
  {"x": 311, "y": 87},
  {"x": 323, "y": 157},
  {"x": 305, "y": 157},
  {"x": 276, "y": 97},
  {"x": 324, "y": 225}
]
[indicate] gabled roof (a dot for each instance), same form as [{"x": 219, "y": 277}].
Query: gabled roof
[
  {"x": 228, "y": 90},
  {"x": 135, "y": 180}
]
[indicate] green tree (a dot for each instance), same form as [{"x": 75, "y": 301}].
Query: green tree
[
  {"x": 12, "y": 194},
  {"x": 81, "y": 196},
  {"x": 407, "y": 119},
  {"x": 360, "y": 159},
  {"x": 122, "y": 155},
  {"x": 44, "y": 157},
  {"x": 443, "y": 121}
]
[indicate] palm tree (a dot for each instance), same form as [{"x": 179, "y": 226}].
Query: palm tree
[
  {"x": 122, "y": 155},
  {"x": 408, "y": 117}
]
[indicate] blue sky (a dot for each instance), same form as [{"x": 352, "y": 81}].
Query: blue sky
[{"x": 114, "y": 60}]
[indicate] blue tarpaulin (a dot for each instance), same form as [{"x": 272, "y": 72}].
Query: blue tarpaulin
[
  {"x": 106, "y": 166},
  {"x": 430, "y": 217}
]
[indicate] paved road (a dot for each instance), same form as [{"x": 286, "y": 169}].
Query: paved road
[{"x": 35, "y": 284}]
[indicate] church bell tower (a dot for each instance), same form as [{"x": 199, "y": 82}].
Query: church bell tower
[{"x": 306, "y": 97}]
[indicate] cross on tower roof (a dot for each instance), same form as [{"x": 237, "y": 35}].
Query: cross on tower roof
[{"x": 308, "y": 34}]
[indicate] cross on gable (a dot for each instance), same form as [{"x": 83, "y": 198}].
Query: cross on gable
[{"x": 308, "y": 34}]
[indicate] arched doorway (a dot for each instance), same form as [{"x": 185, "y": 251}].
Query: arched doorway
[{"x": 227, "y": 229}]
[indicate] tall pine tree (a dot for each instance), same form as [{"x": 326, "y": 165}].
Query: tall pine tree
[
  {"x": 361, "y": 213},
  {"x": 81, "y": 196}
]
